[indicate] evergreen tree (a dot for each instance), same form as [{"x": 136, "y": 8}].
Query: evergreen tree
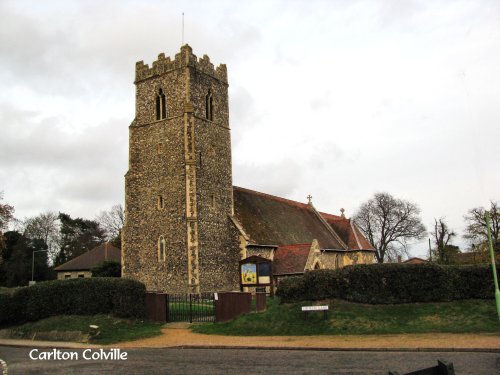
[{"x": 78, "y": 236}]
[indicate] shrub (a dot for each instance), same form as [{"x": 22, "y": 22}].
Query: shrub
[
  {"x": 10, "y": 308},
  {"x": 107, "y": 268},
  {"x": 391, "y": 283},
  {"x": 291, "y": 289},
  {"x": 474, "y": 281},
  {"x": 120, "y": 297},
  {"x": 321, "y": 284}
]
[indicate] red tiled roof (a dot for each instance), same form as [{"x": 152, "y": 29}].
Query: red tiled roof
[
  {"x": 415, "y": 260},
  {"x": 291, "y": 259},
  {"x": 91, "y": 258},
  {"x": 473, "y": 257},
  {"x": 348, "y": 232},
  {"x": 271, "y": 220}
]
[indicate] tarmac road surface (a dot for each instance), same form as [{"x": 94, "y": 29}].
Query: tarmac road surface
[{"x": 245, "y": 361}]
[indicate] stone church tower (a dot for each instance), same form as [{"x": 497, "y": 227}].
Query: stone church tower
[{"x": 178, "y": 234}]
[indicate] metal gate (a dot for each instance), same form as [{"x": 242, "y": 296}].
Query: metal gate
[{"x": 191, "y": 307}]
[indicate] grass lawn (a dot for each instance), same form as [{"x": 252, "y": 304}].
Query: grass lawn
[
  {"x": 179, "y": 311},
  {"x": 469, "y": 316},
  {"x": 111, "y": 329},
  {"x": 181, "y": 307}
]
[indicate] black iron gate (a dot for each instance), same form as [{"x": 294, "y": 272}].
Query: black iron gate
[{"x": 191, "y": 307}]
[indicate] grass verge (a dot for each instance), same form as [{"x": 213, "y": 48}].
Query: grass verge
[
  {"x": 469, "y": 316},
  {"x": 111, "y": 329}
]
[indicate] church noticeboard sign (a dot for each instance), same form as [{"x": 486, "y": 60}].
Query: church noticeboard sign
[
  {"x": 255, "y": 271},
  {"x": 249, "y": 274}
]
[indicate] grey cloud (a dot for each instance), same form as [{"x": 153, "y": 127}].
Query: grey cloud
[
  {"x": 41, "y": 165},
  {"x": 278, "y": 178},
  {"x": 30, "y": 142}
]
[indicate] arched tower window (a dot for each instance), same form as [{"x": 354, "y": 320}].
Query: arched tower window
[
  {"x": 162, "y": 249},
  {"x": 161, "y": 105},
  {"x": 209, "y": 106}
]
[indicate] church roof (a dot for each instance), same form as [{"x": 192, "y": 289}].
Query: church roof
[
  {"x": 271, "y": 220},
  {"x": 348, "y": 232},
  {"x": 291, "y": 259},
  {"x": 91, "y": 258}
]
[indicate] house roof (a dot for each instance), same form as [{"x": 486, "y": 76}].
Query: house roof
[
  {"x": 91, "y": 258},
  {"x": 348, "y": 232},
  {"x": 473, "y": 257},
  {"x": 415, "y": 260},
  {"x": 271, "y": 220},
  {"x": 290, "y": 259}
]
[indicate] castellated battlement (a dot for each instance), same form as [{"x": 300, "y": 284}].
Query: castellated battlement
[{"x": 182, "y": 59}]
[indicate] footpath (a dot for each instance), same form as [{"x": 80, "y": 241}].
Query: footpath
[{"x": 178, "y": 335}]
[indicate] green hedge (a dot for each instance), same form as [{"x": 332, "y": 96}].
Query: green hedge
[
  {"x": 391, "y": 283},
  {"x": 83, "y": 296},
  {"x": 11, "y": 306}
]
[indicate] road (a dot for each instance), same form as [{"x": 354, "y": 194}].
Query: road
[{"x": 239, "y": 361}]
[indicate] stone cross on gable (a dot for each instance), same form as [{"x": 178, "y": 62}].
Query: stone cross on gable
[{"x": 309, "y": 199}]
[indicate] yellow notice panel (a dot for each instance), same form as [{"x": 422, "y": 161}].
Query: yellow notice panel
[{"x": 249, "y": 273}]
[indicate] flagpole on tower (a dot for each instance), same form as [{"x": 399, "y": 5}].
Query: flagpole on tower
[{"x": 182, "y": 29}]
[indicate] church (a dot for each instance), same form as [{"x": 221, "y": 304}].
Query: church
[{"x": 186, "y": 225}]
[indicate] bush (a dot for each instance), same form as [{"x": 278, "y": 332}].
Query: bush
[
  {"x": 107, "y": 268},
  {"x": 474, "y": 281},
  {"x": 391, "y": 283},
  {"x": 10, "y": 308},
  {"x": 120, "y": 297},
  {"x": 291, "y": 289}
]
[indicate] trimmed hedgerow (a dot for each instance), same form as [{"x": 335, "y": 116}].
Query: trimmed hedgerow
[
  {"x": 10, "y": 308},
  {"x": 391, "y": 283},
  {"x": 84, "y": 296},
  {"x": 320, "y": 284},
  {"x": 474, "y": 281}
]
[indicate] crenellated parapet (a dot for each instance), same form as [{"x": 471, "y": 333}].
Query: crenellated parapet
[{"x": 182, "y": 59}]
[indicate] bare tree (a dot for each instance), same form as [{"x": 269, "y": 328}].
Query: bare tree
[
  {"x": 6, "y": 215},
  {"x": 389, "y": 224},
  {"x": 442, "y": 237},
  {"x": 476, "y": 230},
  {"x": 46, "y": 227},
  {"x": 112, "y": 221}
]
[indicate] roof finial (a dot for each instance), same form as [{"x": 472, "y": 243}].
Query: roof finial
[
  {"x": 342, "y": 213},
  {"x": 309, "y": 199}
]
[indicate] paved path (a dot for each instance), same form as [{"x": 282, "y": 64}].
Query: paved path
[{"x": 180, "y": 336}]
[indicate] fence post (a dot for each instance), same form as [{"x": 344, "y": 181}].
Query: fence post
[
  {"x": 167, "y": 302},
  {"x": 190, "y": 308}
]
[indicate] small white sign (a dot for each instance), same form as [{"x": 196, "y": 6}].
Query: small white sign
[
  {"x": 314, "y": 308},
  {"x": 216, "y": 296}
]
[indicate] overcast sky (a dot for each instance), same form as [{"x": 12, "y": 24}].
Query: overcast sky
[{"x": 337, "y": 99}]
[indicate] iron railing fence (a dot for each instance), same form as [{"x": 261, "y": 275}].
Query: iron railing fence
[{"x": 191, "y": 307}]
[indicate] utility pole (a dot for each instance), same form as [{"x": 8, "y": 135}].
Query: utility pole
[
  {"x": 493, "y": 266},
  {"x": 33, "y": 266}
]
